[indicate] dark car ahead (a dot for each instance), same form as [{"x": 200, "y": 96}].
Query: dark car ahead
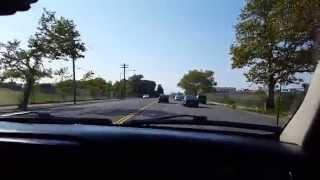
[
  {"x": 202, "y": 99},
  {"x": 190, "y": 101},
  {"x": 163, "y": 99}
]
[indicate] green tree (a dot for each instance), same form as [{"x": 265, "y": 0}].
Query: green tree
[
  {"x": 160, "y": 89},
  {"x": 65, "y": 88},
  {"x": 116, "y": 89},
  {"x": 134, "y": 83},
  {"x": 95, "y": 86},
  {"x": 196, "y": 82},
  {"x": 60, "y": 36},
  {"x": 24, "y": 64},
  {"x": 108, "y": 89},
  {"x": 269, "y": 48},
  {"x": 147, "y": 87},
  {"x": 54, "y": 39}
]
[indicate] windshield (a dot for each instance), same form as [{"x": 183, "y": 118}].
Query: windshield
[{"x": 246, "y": 61}]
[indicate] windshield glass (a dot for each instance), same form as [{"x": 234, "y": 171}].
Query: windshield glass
[{"x": 246, "y": 61}]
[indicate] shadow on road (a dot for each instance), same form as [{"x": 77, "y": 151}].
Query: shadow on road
[
  {"x": 148, "y": 114},
  {"x": 204, "y": 107},
  {"x": 113, "y": 112},
  {"x": 172, "y": 103}
]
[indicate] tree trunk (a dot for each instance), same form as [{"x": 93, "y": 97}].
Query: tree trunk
[
  {"x": 270, "y": 105},
  {"x": 26, "y": 94}
]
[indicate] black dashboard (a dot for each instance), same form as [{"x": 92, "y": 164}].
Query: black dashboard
[{"x": 94, "y": 151}]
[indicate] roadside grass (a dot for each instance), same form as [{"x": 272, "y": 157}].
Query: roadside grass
[
  {"x": 257, "y": 110},
  {"x": 282, "y": 114},
  {"x": 45, "y": 98},
  {"x": 40, "y": 98},
  {"x": 9, "y": 97},
  {"x": 13, "y": 97},
  {"x": 253, "y": 102}
]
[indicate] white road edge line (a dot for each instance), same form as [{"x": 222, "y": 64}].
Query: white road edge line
[{"x": 15, "y": 113}]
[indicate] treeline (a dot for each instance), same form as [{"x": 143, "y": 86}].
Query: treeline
[
  {"x": 94, "y": 88},
  {"x": 97, "y": 87}
]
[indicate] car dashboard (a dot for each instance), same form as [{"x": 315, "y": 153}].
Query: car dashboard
[{"x": 94, "y": 151}]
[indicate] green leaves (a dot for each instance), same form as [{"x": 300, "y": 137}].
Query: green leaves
[
  {"x": 196, "y": 82},
  {"x": 88, "y": 75},
  {"x": 54, "y": 39},
  {"x": 274, "y": 39},
  {"x": 58, "y": 38},
  {"x": 160, "y": 89}
]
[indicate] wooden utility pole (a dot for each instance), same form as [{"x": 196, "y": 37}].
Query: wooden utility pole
[{"x": 124, "y": 67}]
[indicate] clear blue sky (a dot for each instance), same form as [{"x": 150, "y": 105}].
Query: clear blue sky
[{"x": 161, "y": 39}]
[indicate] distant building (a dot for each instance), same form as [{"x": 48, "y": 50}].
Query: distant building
[{"x": 225, "y": 89}]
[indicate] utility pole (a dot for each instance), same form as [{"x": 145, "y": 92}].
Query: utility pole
[
  {"x": 74, "y": 82},
  {"x": 121, "y": 92},
  {"x": 124, "y": 66}
]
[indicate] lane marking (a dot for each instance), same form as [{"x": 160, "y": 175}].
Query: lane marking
[
  {"x": 15, "y": 113},
  {"x": 131, "y": 115},
  {"x": 125, "y": 118}
]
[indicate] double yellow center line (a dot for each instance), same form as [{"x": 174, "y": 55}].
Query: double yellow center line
[{"x": 131, "y": 115}]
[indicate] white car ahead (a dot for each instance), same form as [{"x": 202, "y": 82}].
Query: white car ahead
[{"x": 145, "y": 96}]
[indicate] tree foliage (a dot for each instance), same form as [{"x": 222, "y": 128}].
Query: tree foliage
[
  {"x": 54, "y": 39},
  {"x": 147, "y": 87},
  {"x": 18, "y": 63},
  {"x": 60, "y": 37},
  {"x": 62, "y": 73},
  {"x": 88, "y": 75},
  {"x": 273, "y": 43},
  {"x": 160, "y": 89},
  {"x": 196, "y": 82},
  {"x": 134, "y": 83},
  {"x": 96, "y": 86},
  {"x": 136, "y": 86}
]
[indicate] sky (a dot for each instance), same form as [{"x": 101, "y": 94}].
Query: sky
[{"x": 161, "y": 39}]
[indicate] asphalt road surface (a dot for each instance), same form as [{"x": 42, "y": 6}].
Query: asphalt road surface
[
  {"x": 113, "y": 110},
  {"x": 213, "y": 112},
  {"x": 120, "y": 111}
]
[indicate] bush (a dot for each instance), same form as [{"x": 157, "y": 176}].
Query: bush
[
  {"x": 47, "y": 88},
  {"x": 229, "y": 101}
]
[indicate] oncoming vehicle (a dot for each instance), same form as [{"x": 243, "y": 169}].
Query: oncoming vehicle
[
  {"x": 163, "y": 99},
  {"x": 190, "y": 101}
]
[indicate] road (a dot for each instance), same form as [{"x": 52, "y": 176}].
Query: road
[
  {"x": 213, "y": 112},
  {"x": 125, "y": 110}
]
